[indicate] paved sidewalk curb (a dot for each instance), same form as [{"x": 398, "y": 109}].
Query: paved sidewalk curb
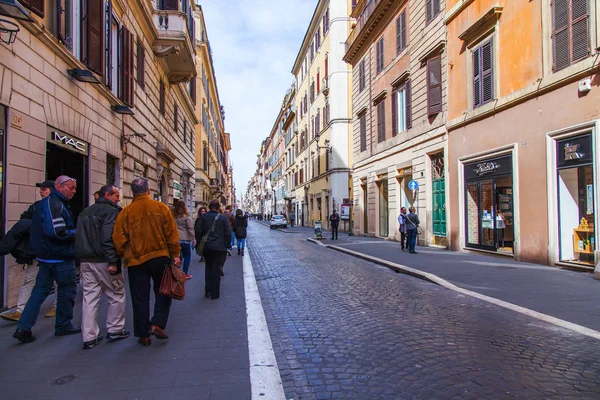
[{"x": 444, "y": 283}]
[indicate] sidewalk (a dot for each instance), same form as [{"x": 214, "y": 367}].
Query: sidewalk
[
  {"x": 206, "y": 356},
  {"x": 560, "y": 293}
]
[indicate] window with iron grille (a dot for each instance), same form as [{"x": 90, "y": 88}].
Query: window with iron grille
[
  {"x": 570, "y": 32},
  {"x": 434, "y": 85},
  {"x": 363, "y": 132},
  {"x": 483, "y": 76},
  {"x": 361, "y": 75},
  {"x": 111, "y": 170},
  {"x": 381, "y": 121},
  {"x": 380, "y": 48}
]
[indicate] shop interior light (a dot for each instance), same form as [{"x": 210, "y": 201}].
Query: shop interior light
[
  {"x": 14, "y": 9},
  {"x": 122, "y": 110},
  {"x": 83, "y": 75}
]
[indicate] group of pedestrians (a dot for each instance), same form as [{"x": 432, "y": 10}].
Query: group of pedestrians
[
  {"x": 144, "y": 238},
  {"x": 409, "y": 225}
]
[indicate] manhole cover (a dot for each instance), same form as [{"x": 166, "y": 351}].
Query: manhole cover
[{"x": 63, "y": 380}]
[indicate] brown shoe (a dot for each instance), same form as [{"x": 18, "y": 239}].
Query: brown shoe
[
  {"x": 51, "y": 313},
  {"x": 13, "y": 316},
  {"x": 145, "y": 341},
  {"x": 157, "y": 332}
]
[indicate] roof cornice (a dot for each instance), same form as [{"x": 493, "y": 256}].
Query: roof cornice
[{"x": 308, "y": 35}]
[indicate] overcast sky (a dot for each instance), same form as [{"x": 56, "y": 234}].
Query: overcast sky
[{"x": 254, "y": 45}]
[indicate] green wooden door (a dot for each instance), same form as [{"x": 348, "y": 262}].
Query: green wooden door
[{"x": 439, "y": 207}]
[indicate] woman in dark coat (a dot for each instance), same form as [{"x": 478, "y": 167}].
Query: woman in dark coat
[{"x": 240, "y": 227}]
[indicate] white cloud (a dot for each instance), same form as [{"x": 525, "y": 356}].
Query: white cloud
[{"x": 254, "y": 46}]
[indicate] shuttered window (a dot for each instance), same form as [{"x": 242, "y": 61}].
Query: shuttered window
[
  {"x": 361, "y": 76},
  {"x": 37, "y": 6},
  {"x": 483, "y": 76},
  {"x": 401, "y": 109},
  {"x": 93, "y": 42},
  {"x": 434, "y": 85},
  {"x": 381, "y": 121},
  {"x": 363, "y": 132},
  {"x": 127, "y": 66},
  {"x": 570, "y": 32},
  {"x": 432, "y": 9},
  {"x": 168, "y": 5},
  {"x": 64, "y": 26},
  {"x": 141, "y": 65},
  {"x": 401, "y": 33},
  {"x": 108, "y": 44},
  {"x": 161, "y": 98},
  {"x": 380, "y": 55},
  {"x": 193, "y": 90},
  {"x": 184, "y": 131},
  {"x": 175, "y": 118}
]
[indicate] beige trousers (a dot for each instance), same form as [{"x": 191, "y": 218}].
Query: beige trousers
[
  {"x": 31, "y": 271},
  {"x": 95, "y": 280}
]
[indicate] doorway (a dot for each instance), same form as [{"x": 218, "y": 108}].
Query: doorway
[
  {"x": 365, "y": 200},
  {"x": 60, "y": 161},
  {"x": 2, "y": 208},
  {"x": 384, "y": 220}
]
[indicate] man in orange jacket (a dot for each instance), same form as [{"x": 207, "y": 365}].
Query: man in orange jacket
[{"x": 146, "y": 236}]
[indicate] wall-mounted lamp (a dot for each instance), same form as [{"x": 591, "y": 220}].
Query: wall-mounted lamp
[
  {"x": 14, "y": 9},
  {"x": 119, "y": 109},
  {"x": 83, "y": 75},
  {"x": 127, "y": 138}
]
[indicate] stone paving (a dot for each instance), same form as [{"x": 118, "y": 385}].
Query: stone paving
[
  {"x": 206, "y": 356},
  {"x": 346, "y": 328}
]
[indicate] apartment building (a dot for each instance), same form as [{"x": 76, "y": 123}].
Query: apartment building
[
  {"x": 322, "y": 108},
  {"x": 98, "y": 93},
  {"x": 523, "y": 129},
  {"x": 397, "y": 50}
]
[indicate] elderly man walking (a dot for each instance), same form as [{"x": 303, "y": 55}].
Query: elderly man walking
[
  {"x": 52, "y": 237},
  {"x": 145, "y": 235},
  {"x": 101, "y": 268}
]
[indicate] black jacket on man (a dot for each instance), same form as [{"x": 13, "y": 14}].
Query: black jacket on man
[
  {"x": 93, "y": 237},
  {"x": 16, "y": 242},
  {"x": 240, "y": 226},
  {"x": 220, "y": 238}
]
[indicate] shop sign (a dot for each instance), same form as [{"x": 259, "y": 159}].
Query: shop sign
[
  {"x": 68, "y": 142},
  {"x": 176, "y": 190},
  {"x": 405, "y": 171},
  {"x": 574, "y": 151},
  {"x": 488, "y": 168}
]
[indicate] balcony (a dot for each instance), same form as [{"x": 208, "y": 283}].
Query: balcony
[
  {"x": 174, "y": 31},
  {"x": 214, "y": 183}
]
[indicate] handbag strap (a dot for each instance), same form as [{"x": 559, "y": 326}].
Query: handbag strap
[{"x": 412, "y": 222}]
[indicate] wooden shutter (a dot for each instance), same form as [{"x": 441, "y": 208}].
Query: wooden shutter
[
  {"x": 37, "y": 6},
  {"x": 127, "y": 66},
  {"x": 161, "y": 98},
  {"x": 175, "y": 117},
  {"x": 361, "y": 75},
  {"x": 184, "y": 131},
  {"x": 326, "y": 67},
  {"x": 428, "y": 11},
  {"x": 487, "y": 76},
  {"x": 171, "y": 5},
  {"x": 434, "y": 86},
  {"x": 408, "y": 105},
  {"x": 477, "y": 77},
  {"x": 193, "y": 90},
  {"x": 95, "y": 36},
  {"x": 318, "y": 82},
  {"x": 381, "y": 121},
  {"x": 404, "y": 30},
  {"x": 560, "y": 34},
  {"x": 141, "y": 62},
  {"x": 398, "y": 35},
  {"x": 579, "y": 29},
  {"x": 363, "y": 132},
  {"x": 395, "y": 94}
]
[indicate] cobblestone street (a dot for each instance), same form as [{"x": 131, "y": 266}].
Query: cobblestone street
[{"x": 346, "y": 328}]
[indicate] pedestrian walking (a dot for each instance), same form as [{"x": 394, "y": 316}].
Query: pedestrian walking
[
  {"x": 145, "y": 235},
  {"x": 412, "y": 226},
  {"x": 230, "y": 218},
  {"x": 16, "y": 243},
  {"x": 185, "y": 228},
  {"x": 52, "y": 238},
  {"x": 240, "y": 229},
  {"x": 403, "y": 235},
  {"x": 292, "y": 219},
  {"x": 217, "y": 227},
  {"x": 201, "y": 211},
  {"x": 100, "y": 267},
  {"x": 334, "y": 219}
]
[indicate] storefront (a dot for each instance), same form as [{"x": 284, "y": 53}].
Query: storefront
[
  {"x": 575, "y": 191},
  {"x": 488, "y": 194},
  {"x": 2, "y": 199}
]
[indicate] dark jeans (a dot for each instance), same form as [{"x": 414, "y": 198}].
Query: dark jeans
[
  {"x": 64, "y": 275},
  {"x": 186, "y": 255},
  {"x": 334, "y": 232},
  {"x": 139, "y": 285},
  {"x": 404, "y": 240},
  {"x": 412, "y": 239},
  {"x": 213, "y": 260}
]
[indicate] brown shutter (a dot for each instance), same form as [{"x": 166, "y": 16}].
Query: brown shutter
[
  {"x": 127, "y": 66},
  {"x": 363, "y": 132},
  {"x": 141, "y": 63},
  {"x": 579, "y": 28},
  {"x": 381, "y": 121},
  {"x": 428, "y": 10},
  {"x": 193, "y": 90},
  {"x": 560, "y": 33},
  {"x": 37, "y": 6},
  {"x": 398, "y": 36},
  {"x": 395, "y": 112},
  {"x": 408, "y": 105},
  {"x": 95, "y": 36},
  {"x": 434, "y": 85},
  {"x": 487, "y": 76},
  {"x": 175, "y": 117},
  {"x": 404, "y": 30},
  {"x": 171, "y": 5},
  {"x": 161, "y": 98},
  {"x": 477, "y": 77}
]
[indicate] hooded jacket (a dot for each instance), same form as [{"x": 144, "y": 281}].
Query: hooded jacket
[
  {"x": 240, "y": 225},
  {"x": 220, "y": 237},
  {"x": 52, "y": 232},
  {"x": 93, "y": 240}
]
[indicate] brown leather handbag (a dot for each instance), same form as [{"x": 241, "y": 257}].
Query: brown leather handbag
[{"x": 173, "y": 283}]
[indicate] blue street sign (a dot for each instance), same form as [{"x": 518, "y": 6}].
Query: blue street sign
[{"x": 413, "y": 185}]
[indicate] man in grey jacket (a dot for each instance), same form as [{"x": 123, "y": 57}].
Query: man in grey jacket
[
  {"x": 100, "y": 268},
  {"x": 217, "y": 227}
]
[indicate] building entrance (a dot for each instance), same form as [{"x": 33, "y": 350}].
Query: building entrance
[
  {"x": 2, "y": 180},
  {"x": 60, "y": 161}
]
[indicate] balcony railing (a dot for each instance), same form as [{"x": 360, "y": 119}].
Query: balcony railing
[{"x": 361, "y": 21}]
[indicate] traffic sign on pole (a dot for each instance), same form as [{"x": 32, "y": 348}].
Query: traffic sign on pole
[{"x": 413, "y": 185}]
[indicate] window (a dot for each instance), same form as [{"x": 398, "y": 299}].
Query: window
[
  {"x": 184, "y": 131},
  {"x": 570, "y": 32},
  {"x": 483, "y": 77},
  {"x": 318, "y": 82},
  {"x": 161, "y": 98},
  {"x": 326, "y": 22},
  {"x": 64, "y": 23},
  {"x": 326, "y": 114},
  {"x": 312, "y": 52},
  {"x": 193, "y": 90},
  {"x": 380, "y": 55},
  {"x": 312, "y": 91},
  {"x": 175, "y": 117},
  {"x": 361, "y": 75},
  {"x": 111, "y": 170},
  {"x": 434, "y": 85},
  {"x": 401, "y": 33},
  {"x": 401, "y": 109},
  {"x": 141, "y": 61},
  {"x": 37, "y": 6},
  {"x": 381, "y": 121},
  {"x": 168, "y": 5},
  {"x": 108, "y": 66},
  {"x": 92, "y": 32},
  {"x": 363, "y": 132},
  {"x": 318, "y": 122},
  {"x": 432, "y": 9},
  {"x": 205, "y": 158}
]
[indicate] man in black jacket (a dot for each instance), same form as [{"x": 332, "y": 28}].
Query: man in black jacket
[
  {"x": 16, "y": 242},
  {"x": 215, "y": 249},
  {"x": 100, "y": 268}
]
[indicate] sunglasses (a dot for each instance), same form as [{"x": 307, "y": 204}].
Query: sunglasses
[{"x": 66, "y": 180}]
